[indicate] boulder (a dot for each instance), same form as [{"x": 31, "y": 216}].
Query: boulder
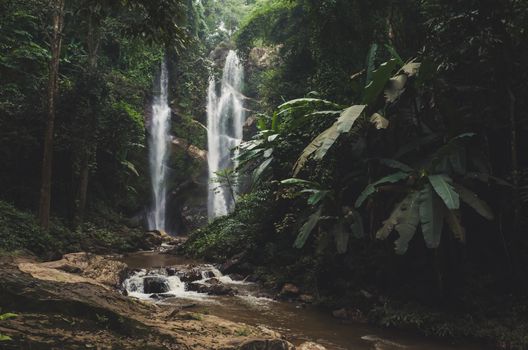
[
  {"x": 236, "y": 277},
  {"x": 190, "y": 275},
  {"x": 215, "y": 289},
  {"x": 155, "y": 284},
  {"x": 266, "y": 344},
  {"x": 310, "y": 346}
]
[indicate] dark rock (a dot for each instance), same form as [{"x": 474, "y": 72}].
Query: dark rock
[
  {"x": 213, "y": 281},
  {"x": 215, "y": 289},
  {"x": 171, "y": 271},
  {"x": 196, "y": 287},
  {"x": 154, "y": 284},
  {"x": 209, "y": 274},
  {"x": 221, "y": 289},
  {"x": 236, "y": 277},
  {"x": 265, "y": 344},
  {"x": 190, "y": 275}
]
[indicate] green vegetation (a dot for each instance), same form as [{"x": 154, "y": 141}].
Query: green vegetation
[{"x": 384, "y": 152}]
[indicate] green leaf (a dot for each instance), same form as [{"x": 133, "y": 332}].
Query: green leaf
[
  {"x": 260, "y": 170},
  {"x": 370, "y": 189},
  {"x": 316, "y": 195},
  {"x": 5, "y": 337},
  {"x": 431, "y": 216},
  {"x": 306, "y": 101},
  {"x": 395, "y": 164},
  {"x": 348, "y": 118},
  {"x": 379, "y": 79},
  {"x": 7, "y": 316},
  {"x": 130, "y": 167},
  {"x": 357, "y": 225},
  {"x": 443, "y": 185},
  {"x": 324, "y": 141},
  {"x": 471, "y": 199},
  {"x": 371, "y": 62},
  {"x": 394, "y": 54},
  {"x": 404, "y": 219},
  {"x": 307, "y": 229},
  {"x": 453, "y": 221},
  {"x": 300, "y": 182}
]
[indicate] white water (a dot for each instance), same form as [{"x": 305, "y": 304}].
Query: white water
[
  {"x": 158, "y": 150},
  {"x": 225, "y": 120},
  {"x": 134, "y": 285}
]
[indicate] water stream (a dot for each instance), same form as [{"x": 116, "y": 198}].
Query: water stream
[
  {"x": 158, "y": 151},
  {"x": 298, "y": 323},
  {"x": 225, "y": 119}
]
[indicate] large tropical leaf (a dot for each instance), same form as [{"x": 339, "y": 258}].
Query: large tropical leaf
[
  {"x": 404, "y": 219},
  {"x": 453, "y": 221},
  {"x": 300, "y": 182},
  {"x": 348, "y": 118},
  {"x": 305, "y": 102},
  {"x": 324, "y": 141},
  {"x": 357, "y": 225},
  {"x": 379, "y": 79},
  {"x": 431, "y": 216},
  {"x": 316, "y": 196},
  {"x": 443, "y": 185},
  {"x": 260, "y": 169},
  {"x": 370, "y": 189},
  {"x": 395, "y": 164},
  {"x": 307, "y": 229},
  {"x": 471, "y": 199},
  {"x": 371, "y": 62}
]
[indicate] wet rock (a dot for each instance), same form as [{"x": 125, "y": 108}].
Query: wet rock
[
  {"x": 161, "y": 296},
  {"x": 221, "y": 290},
  {"x": 208, "y": 274},
  {"x": 171, "y": 271},
  {"x": 310, "y": 346},
  {"x": 213, "y": 281},
  {"x": 216, "y": 289},
  {"x": 289, "y": 290},
  {"x": 236, "y": 277},
  {"x": 266, "y": 344},
  {"x": 190, "y": 275},
  {"x": 153, "y": 284}
]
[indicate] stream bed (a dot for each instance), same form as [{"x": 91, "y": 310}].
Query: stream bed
[{"x": 178, "y": 281}]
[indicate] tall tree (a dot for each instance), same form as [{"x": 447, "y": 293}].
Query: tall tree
[{"x": 57, "y": 7}]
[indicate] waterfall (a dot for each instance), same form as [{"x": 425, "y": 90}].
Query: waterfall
[
  {"x": 158, "y": 150},
  {"x": 225, "y": 119}
]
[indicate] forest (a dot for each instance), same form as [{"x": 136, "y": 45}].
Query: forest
[{"x": 264, "y": 174}]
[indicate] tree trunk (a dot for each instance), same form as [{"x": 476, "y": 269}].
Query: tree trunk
[
  {"x": 47, "y": 159},
  {"x": 88, "y": 158}
]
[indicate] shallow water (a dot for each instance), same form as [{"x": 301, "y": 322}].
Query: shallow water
[{"x": 296, "y": 323}]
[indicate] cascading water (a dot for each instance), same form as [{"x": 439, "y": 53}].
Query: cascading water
[
  {"x": 158, "y": 150},
  {"x": 225, "y": 120}
]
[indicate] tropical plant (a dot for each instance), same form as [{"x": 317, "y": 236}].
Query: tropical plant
[{"x": 324, "y": 210}]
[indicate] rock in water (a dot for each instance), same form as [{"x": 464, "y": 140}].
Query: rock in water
[
  {"x": 310, "y": 346},
  {"x": 266, "y": 344},
  {"x": 154, "y": 284}
]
